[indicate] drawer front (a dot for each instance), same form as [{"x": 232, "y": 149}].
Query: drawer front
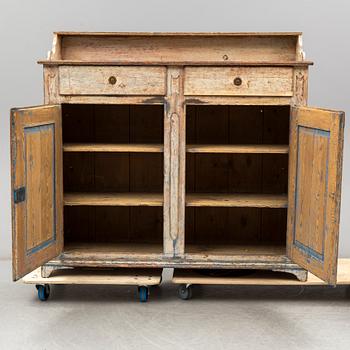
[
  {"x": 94, "y": 80},
  {"x": 239, "y": 81}
]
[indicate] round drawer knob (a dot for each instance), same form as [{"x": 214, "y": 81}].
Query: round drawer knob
[
  {"x": 237, "y": 81},
  {"x": 112, "y": 80}
]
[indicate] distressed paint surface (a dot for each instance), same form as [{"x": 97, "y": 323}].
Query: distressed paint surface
[
  {"x": 315, "y": 165},
  {"x": 36, "y": 139}
]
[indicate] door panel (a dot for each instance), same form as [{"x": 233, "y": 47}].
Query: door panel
[
  {"x": 36, "y": 157},
  {"x": 315, "y": 164}
]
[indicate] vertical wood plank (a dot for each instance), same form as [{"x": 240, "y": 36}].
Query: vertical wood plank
[{"x": 174, "y": 165}]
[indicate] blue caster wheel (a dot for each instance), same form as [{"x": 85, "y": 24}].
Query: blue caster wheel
[
  {"x": 143, "y": 293},
  {"x": 185, "y": 292},
  {"x": 43, "y": 291}
]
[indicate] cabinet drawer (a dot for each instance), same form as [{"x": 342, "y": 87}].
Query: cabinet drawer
[
  {"x": 94, "y": 80},
  {"x": 239, "y": 81}
]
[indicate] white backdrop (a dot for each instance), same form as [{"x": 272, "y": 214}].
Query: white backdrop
[{"x": 26, "y": 34}]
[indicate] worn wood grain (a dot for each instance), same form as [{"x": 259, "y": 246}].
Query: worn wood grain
[
  {"x": 315, "y": 163},
  {"x": 174, "y": 165},
  {"x": 236, "y": 200},
  {"x": 113, "y": 147},
  {"x": 180, "y": 47},
  {"x": 220, "y": 81},
  {"x": 245, "y": 149},
  {"x": 96, "y": 80},
  {"x": 36, "y": 156},
  {"x": 115, "y": 199}
]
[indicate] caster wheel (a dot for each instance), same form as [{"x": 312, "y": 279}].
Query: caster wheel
[
  {"x": 43, "y": 291},
  {"x": 185, "y": 292},
  {"x": 143, "y": 293}
]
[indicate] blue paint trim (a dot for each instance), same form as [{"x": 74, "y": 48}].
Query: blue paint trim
[
  {"x": 39, "y": 129},
  {"x": 311, "y": 252},
  {"x": 308, "y": 250}
]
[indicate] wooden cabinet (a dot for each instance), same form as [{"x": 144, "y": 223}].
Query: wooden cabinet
[{"x": 186, "y": 150}]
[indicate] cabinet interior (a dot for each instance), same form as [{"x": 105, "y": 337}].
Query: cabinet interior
[
  {"x": 239, "y": 168},
  {"x": 113, "y": 177},
  {"x": 236, "y": 179}
]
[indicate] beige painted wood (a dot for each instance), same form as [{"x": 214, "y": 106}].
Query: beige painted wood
[
  {"x": 257, "y": 81},
  {"x": 36, "y": 157},
  {"x": 174, "y": 165},
  {"x": 238, "y": 100},
  {"x": 111, "y": 147},
  {"x": 86, "y": 80},
  {"x": 133, "y": 277},
  {"x": 183, "y": 276},
  {"x": 300, "y": 86},
  {"x": 114, "y": 199},
  {"x": 315, "y": 165},
  {"x": 236, "y": 200},
  {"x": 255, "y": 149},
  {"x": 179, "y": 47}
]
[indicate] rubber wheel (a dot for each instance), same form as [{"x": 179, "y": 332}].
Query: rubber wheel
[
  {"x": 143, "y": 293},
  {"x": 43, "y": 291},
  {"x": 185, "y": 292}
]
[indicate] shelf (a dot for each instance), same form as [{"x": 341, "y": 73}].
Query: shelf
[
  {"x": 114, "y": 199},
  {"x": 235, "y": 249},
  {"x": 278, "y": 149},
  {"x": 237, "y": 200},
  {"x": 110, "y": 250},
  {"x": 111, "y": 147}
]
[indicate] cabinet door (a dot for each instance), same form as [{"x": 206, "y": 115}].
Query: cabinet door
[
  {"x": 37, "y": 204},
  {"x": 315, "y": 167}
]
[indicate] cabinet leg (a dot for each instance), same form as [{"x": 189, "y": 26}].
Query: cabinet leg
[{"x": 300, "y": 274}]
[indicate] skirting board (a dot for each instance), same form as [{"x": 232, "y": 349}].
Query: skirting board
[{"x": 183, "y": 276}]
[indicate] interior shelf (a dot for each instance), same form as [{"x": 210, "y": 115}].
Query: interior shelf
[
  {"x": 237, "y": 200},
  {"x": 112, "y": 147},
  {"x": 258, "y": 149},
  {"x": 192, "y": 200},
  {"x": 236, "y": 249},
  {"x": 83, "y": 250},
  {"x": 114, "y": 199},
  {"x": 158, "y": 148}
]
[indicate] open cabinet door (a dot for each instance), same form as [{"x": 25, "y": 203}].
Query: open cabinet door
[
  {"x": 37, "y": 203},
  {"x": 315, "y": 167}
]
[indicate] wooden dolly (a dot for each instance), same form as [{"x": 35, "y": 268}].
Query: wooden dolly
[
  {"x": 142, "y": 278},
  {"x": 187, "y": 278}
]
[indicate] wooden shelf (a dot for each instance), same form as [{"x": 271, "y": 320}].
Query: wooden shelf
[
  {"x": 279, "y": 149},
  {"x": 158, "y": 148},
  {"x": 237, "y": 200},
  {"x": 114, "y": 199},
  {"x": 83, "y": 250},
  {"x": 112, "y": 147},
  {"x": 235, "y": 249}
]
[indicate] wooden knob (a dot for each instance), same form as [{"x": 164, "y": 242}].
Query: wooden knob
[
  {"x": 112, "y": 80},
  {"x": 237, "y": 81}
]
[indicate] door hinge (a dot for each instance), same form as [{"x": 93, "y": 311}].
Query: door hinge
[{"x": 19, "y": 195}]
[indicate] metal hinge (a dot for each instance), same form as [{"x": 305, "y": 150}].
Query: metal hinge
[{"x": 19, "y": 195}]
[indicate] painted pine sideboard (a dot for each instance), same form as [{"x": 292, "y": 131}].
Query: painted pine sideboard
[{"x": 184, "y": 150}]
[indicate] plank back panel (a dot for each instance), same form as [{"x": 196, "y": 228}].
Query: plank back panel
[{"x": 179, "y": 48}]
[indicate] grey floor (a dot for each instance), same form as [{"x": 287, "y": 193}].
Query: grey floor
[{"x": 110, "y": 317}]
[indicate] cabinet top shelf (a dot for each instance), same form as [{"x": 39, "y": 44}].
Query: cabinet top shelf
[{"x": 256, "y": 48}]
